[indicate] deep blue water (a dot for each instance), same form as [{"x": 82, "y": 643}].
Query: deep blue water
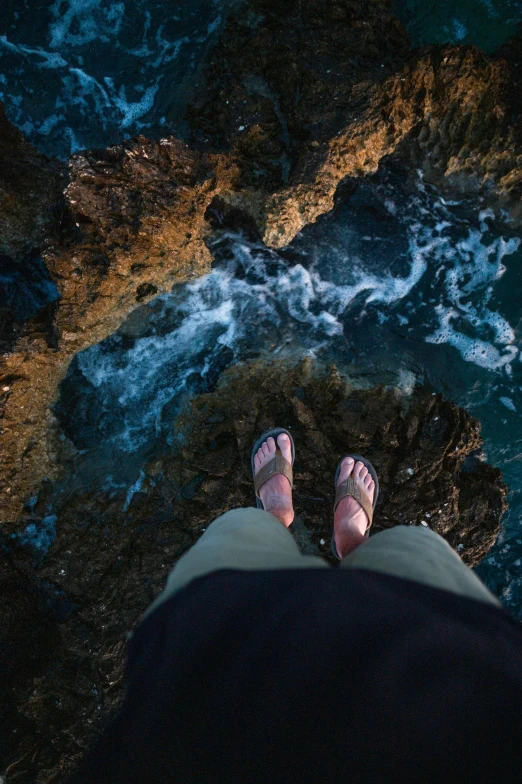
[
  {"x": 484, "y": 23},
  {"x": 26, "y": 288},
  {"x": 87, "y": 73},
  {"x": 407, "y": 286}
]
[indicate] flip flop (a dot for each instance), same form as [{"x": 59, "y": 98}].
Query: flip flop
[
  {"x": 277, "y": 465},
  {"x": 350, "y": 488}
]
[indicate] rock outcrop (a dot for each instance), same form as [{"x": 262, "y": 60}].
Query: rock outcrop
[
  {"x": 130, "y": 224},
  {"x": 106, "y": 565},
  {"x": 304, "y": 99}
]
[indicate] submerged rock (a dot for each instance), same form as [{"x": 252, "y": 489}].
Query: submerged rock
[
  {"x": 30, "y": 192},
  {"x": 114, "y": 550}
]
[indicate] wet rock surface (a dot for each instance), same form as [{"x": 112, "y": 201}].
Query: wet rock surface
[
  {"x": 131, "y": 225},
  {"x": 295, "y": 101},
  {"x": 106, "y": 565},
  {"x": 283, "y": 76},
  {"x": 304, "y": 99}
]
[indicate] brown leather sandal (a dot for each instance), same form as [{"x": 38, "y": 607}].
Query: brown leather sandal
[
  {"x": 351, "y": 488},
  {"x": 277, "y": 465}
]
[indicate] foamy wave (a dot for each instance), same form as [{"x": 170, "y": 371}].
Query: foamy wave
[
  {"x": 91, "y": 20},
  {"x": 475, "y": 350},
  {"x": 433, "y": 281},
  {"x": 470, "y": 270}
]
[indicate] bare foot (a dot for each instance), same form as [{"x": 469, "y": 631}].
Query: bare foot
[
  {"x": 276, "y": 493},
  {"x": 350, "y": 520}
]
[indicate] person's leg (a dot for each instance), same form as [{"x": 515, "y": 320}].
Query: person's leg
[
  {"x": 240, "y": 539},
  {"x": 248, "y": 538},
  {"x": 415, "y": 553},
  {"x": 419, "y": 554}
]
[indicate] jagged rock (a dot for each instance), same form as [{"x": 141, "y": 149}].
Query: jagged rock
[
  {"x": 281, "y": 77},
  {"x": 132, "y": 224},
  {"x": 304, "y": 99}
]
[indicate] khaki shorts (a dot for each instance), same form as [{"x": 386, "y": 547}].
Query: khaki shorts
[{"x": 253, "y": 539}]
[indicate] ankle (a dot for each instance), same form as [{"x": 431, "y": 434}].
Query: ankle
[
  {"x": 347, "y": 541},
  {"x": 283, "y": 512}
]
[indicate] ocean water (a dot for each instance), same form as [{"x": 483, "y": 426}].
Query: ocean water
[
  {"x": 26, "y": 288},
  {"x": 484, "y": 23},
  {"x": 77, "y": 74},
  {"x": 403, "y": 284}
]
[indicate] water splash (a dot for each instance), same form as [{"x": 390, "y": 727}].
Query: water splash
[{"x": 433, "y": 285}]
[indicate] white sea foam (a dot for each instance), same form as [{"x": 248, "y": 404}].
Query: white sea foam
[
  {"x": 84, "y": 21},
  {"x": 508, "y": 402},
  {"x": 480, "y": 352},
  {"x": 258, "y": 299},
  {"x": 459, "y": 30},
  {"x": 88, "y": 85},
  {"x": 39, "y": 536},
  {"x": 133, "y": 489},
  {"x": 167, "y": 51},
  {"x": 467, "y": 270},
  {"x": 131, "y": 111},
  {"x": 218, "y": 311},
  {"x": 44, "y": 59}
]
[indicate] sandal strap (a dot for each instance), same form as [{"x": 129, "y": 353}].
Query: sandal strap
[
  {"x": 277, "y": 465},
  {"x": 352, "y": 489}
]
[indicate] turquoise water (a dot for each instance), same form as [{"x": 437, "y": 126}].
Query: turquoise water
[
  {"x": 406, "y": 285},
  {"x": 484, "y": 23}
]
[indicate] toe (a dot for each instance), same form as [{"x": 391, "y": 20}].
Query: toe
[
  {"x": 346, "y": 469},
  {"x": 271, "y": 445},
  {"x": 266, "y": 450},
  {"x": 368, "y": 479},
  {"x": 357, "y": 469},
  {"x": 363, "y": 473},
  {"x": 285, "y": 446}
]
